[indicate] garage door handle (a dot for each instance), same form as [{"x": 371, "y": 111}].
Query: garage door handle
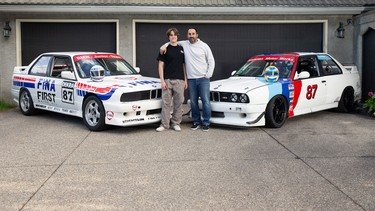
[{"x": 324, "y": 81}]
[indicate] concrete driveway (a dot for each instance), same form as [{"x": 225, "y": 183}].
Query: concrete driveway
[{"x": 318, "y": 161}]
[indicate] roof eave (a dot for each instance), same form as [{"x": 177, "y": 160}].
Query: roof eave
[{"x": 269, "y": 10}]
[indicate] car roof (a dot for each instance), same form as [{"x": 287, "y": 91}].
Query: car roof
[{"x": 75, "y": 53}]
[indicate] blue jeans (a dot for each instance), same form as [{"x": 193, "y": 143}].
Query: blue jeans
[{"x": 200, "y": 87}]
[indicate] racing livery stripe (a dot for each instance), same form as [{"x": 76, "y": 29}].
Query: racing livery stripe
[
  {"x": 105, "y": 96},
  {"x": 24, "y": 84},
  {"x": 297, "y": 92},
  {"x": 20, "y": 78}
]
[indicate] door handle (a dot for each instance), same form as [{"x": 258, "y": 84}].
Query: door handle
[{"x": 324, "y": 81}]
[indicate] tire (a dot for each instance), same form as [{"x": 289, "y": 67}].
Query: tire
[
  {"x": 276, "y": 112},
  {"x": 93, "y": 114},
  {"x": 346, "y": 103},
  {"x": 25, "y": 103}
]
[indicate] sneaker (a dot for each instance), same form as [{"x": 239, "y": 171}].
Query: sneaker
[
  {"x": 161, "y": 128},
  {"x": 176, "y": 128},
  {"x": 195, "y": 126},
  {"x": 205, "y": 128}
]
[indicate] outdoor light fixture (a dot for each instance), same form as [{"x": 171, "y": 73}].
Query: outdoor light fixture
[
  {"x": 7, "y": 29},
  {"x": 340, "y": 32}
]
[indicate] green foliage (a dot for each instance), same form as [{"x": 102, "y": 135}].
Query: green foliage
[
  {"x": 370, "y": 103},
  {"x": 4, "y": 106}
]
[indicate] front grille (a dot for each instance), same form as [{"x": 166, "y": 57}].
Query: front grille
[
  {"x": 141, "y": 95},
  {"x": 226, "y": 97}
]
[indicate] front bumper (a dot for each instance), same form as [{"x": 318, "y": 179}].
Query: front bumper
[{"x": 133, "y": 113}]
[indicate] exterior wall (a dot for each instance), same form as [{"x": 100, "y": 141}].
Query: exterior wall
[
  {"x": 342, "y": 49},
  {"x": 362, "y": 24}
]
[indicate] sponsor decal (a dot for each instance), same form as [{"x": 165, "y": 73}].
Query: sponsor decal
[
  {"x": 23, "y": 81},
  {"x": 46, "y": 96},
  {"x": 96, "y": 56},
  {"x": 133, "y": 120},
  {"x": 48, "y": 88},
  {"x": 286, "y": 58},
  {"x": 154, "y": 118},
  {"x": 46, "y": 84},
  {"x": 104, "y": 93},
  {"x": 135, "y": 83},
  {"x": 110, "y": 115},
  {"x": 134, "y": 107}
]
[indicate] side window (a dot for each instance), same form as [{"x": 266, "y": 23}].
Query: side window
[
  {"x": 329, "y": 67},
  {"x": 61, "y": 64},
  {"x": 310, "y": 65},
  {"x": 41, "y": 66}
]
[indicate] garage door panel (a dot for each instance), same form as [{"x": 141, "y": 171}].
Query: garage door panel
[
  {"x": 39, "y": 37},
  {"x": 231, "y": 44}
]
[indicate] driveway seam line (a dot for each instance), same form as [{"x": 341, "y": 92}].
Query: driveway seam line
[
  {"x": 66, "y": 158},
  {"x": 321, "y": 175}
]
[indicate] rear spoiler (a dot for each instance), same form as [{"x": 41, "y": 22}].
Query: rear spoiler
[{"x": 20, "y": 70}]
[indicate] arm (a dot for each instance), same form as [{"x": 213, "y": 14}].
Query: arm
[
  {"x": 211, "y": 62},
  {"x": 161, "y": 75},
  {"x": 163, "y": 48},
  {"x": 185, "y": 76}
]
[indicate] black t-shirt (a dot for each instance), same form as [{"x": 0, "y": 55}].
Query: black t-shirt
[{"x": 173, "y": 62}]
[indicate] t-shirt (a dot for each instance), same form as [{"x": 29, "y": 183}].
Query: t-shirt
[{"x": 173, "y": 62}]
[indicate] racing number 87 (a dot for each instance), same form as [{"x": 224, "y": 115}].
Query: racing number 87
[
  {"x": 67, "y": 95},
  {"x": 311, "y": 91}
]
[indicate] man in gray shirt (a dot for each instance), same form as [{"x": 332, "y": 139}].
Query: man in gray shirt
[{"x": 200, "y": 65}]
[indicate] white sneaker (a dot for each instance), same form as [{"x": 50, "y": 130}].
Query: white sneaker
[
  {"x": 161, "y": 128},
  {"x": 176, "y": 128}
]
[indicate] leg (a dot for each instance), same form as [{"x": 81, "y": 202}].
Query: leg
[
  {"x": 166, "y": 107},
  {"x": 204, "y": 90},
  {"x": 193, "y": 93},
  {"x": 178, "y": 99}
]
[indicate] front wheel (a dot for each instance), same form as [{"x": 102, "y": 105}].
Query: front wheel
[
  {"x": 25, "y": 103},
  {"x": 276, "y": 112},
  {"x": 93, "y": 114}
]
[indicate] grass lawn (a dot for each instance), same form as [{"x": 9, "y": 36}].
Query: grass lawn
[{"x": 5, "y": 106}]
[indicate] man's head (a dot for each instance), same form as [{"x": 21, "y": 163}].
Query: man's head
[
  {"x": 192, "y": 35},
  {"x": 172, "y": 35}
]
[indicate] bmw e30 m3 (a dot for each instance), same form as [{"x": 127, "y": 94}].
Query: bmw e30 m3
[
  {"x": 270, "y": 88},
  {"x": 102, "y": 88}
]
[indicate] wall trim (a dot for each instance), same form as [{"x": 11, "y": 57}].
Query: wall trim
[{"x": 18, "y": 30}]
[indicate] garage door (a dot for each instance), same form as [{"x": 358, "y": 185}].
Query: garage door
[
  {"x": 231, "y": 44},
  {"x": 37, "y": 38}
]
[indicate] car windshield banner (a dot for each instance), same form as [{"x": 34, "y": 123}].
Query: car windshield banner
[
  {"x": 284, "y": 57},
  {"x": 96, "y": 56}
]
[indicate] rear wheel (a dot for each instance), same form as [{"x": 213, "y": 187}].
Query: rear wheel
[
  {"x": 276, "y": 112},
  {"x": 25, "y": 103},
  {"x": 94, "y": 114},
  {"x": 346, "y": 103}
]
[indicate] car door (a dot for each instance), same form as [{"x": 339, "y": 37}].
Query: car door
[
  {"x": 65, "y": 94},
  {"x": 311, "y": 91},
  {"x": 334, "y": 77},
  {"x": 43, "y": 94}
]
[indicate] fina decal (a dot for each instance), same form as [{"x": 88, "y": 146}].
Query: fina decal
[
  {"x": 48, "y": 89},
  {"x": 110, "y": 115}
]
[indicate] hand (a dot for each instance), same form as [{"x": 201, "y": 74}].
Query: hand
[
  {"x": 163, "y": 85},
  {"x": 163, "y": 49},
  {"x": 186, "y": 84}
]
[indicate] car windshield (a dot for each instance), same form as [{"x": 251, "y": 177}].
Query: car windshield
[
  {"x": 112, "y": 66},
  {"x": 255, "y": 68}
]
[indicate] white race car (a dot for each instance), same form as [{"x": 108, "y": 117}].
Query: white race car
[
  {"x": 100, "y": 87},
  {"x": 270, "y": 88}
]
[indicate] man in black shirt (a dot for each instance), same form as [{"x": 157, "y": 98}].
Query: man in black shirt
[{"x": 173, "y": 82}]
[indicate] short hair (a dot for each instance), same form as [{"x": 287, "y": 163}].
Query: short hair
[
  {"x": 196, "y": 31},
  {"x": 174, "y": 30}
]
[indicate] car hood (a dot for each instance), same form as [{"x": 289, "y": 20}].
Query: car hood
[
  {"x": 128, "y": 83},
  {"x": 237, "y": 84}
]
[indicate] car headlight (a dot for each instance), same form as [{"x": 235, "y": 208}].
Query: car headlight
[
  {"x": 244, "y": 98},
  {"x": 233, "y": 97}
]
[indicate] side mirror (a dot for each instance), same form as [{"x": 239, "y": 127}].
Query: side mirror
[
  {"x": 137, "y": 69},
  {"x": 68, "y": 75},
  {"x": 232, "y": 74},
  {"x": 302, "y": 75}
]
